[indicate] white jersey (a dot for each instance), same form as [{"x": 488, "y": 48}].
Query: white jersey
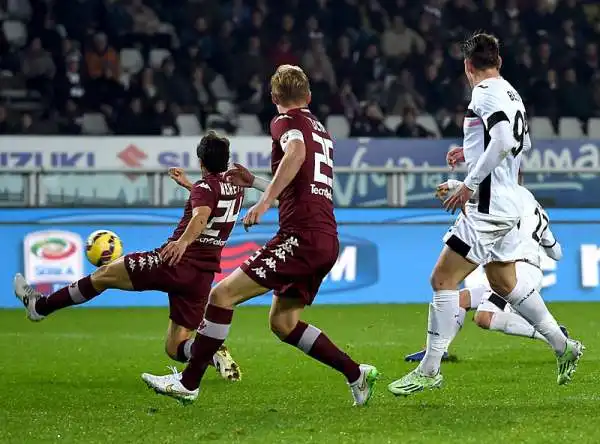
[
  {"x": 494, "y": 101},
  {"x": 534, "y": 229}
]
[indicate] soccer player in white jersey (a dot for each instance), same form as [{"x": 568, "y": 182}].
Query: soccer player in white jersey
[
  {"x": 493, "y": 312},
  {"x": 495, "y": 133}
]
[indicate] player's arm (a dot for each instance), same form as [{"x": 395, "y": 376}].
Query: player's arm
[
  {"x": 551, "y": 245},
  {"x": 295, "y": 153},
  {"x": 499, "y": 147},
  {"x": 242, "y": 177},
  {"x": 179, "y": 176},
  {"x": 173, "y": 251}
]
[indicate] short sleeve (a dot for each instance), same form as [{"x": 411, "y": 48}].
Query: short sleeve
[
  {"x": 284, "y": 129},
  {"x": 488, "y": 107},
  {"x": 203, "y": 195}
]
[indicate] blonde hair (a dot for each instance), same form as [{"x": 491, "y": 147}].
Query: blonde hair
[{"x": 289, "y": 85}]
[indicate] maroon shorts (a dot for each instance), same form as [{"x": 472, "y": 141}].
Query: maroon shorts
[
  {"x": 294, "y": 265},
  {"x": 188, "y": 286}
]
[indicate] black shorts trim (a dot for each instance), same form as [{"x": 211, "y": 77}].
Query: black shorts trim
[
  {"x": 497, "y": 117},
  {"x": 497, "y": 301},
  {"x": 458, "y": 246}
]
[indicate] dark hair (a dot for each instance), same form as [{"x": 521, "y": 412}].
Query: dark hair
[
  {"x": 213, "y": 152},
  {"x": 482, "y": 50}
]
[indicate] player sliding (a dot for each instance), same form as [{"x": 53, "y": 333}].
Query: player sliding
[
  {"x": 184, "y": 267},
  {"x": 295, "y": 261},
  {"x": 486, "y": 233},
  {"x": 493, "y": 312}
]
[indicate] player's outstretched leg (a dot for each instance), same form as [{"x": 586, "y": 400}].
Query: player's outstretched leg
[
  {"x": 113, "y": 275},
  {"x": 528, "y": 302},
  {"x": 233, "y": 290},
  {"x": 509, "y": 323},
  {"x": 468, "y": 298},
  {"x": 285, "y": 322},
  {"x": 450, "y": 270}
]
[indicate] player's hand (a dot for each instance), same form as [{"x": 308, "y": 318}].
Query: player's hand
[
  {"x": 239, "y": 175},
  {"x": 442, "y": 191},
  {"x": 179, "y": 176},
  {"x": 458, "y": 199},
  {"x": 173, "y": 252},
  {"x": 255, "y": 213},
  {"x": 455, "y": 156}
]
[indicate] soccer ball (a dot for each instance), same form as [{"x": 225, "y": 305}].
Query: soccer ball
[{"x": 103, "y": 247}]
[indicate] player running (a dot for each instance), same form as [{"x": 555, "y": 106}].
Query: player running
[
  {"x": 493, "y": 312},
  {"x": 486, "y": 233},
  {"x": 184, "y": 267},
  {"x": 295, "y": 261}
]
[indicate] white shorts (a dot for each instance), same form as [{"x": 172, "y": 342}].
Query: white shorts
[
  {"x": 482, "y": 238},
  {"x": 527, "y": 272}
]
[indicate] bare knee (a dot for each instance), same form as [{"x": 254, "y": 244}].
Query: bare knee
[
  {"x": 222, "y": 295},
  {"x": 282, "y": 326},
  {"x": 502, "y": 278},
  {"x": 440, "y": 280},
  {"x": 103, "y": 278},
  {"x": 483, "y": 319},
  {"x": 171, "y": 349},
  {"x": 174, "y": 338},
  {"x": 465, "y": 299}
]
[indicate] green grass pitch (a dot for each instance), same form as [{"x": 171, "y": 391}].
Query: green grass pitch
[{"x": 76, "y": 378}]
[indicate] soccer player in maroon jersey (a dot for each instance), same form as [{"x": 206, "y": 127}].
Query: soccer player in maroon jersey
[
  {"x": 295, "y": 261},
  {"x": 184, "y": 267}
]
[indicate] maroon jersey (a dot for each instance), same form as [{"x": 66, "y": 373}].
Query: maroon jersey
[
  {"x": 225, "y": 202},
  {"x": 306, "y": 204}
]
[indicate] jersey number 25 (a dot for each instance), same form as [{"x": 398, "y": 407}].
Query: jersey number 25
[{"x": 324, "y": 157}]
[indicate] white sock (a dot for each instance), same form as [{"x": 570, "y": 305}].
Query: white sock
[
  {"x": 459, "y": 320},
  {"x": 477, "y": 294},
  {"x": 441, "y": 329},
  {"x": 515, "y": 325},
  {"x": 529, "y": 304}
]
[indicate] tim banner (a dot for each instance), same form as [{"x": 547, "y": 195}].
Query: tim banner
[
  {"x": 131, "y": 154},
  {"x": 386, "y": 255},
  {"x": 52, "y": 259}
]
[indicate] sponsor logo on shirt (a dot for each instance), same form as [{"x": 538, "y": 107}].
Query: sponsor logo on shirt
[{"x": 357, "y": 265}]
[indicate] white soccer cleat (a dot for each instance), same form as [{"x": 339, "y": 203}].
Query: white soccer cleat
[
  {"x": 170, "y": 385},
  {"x": 226, "y": 366},
  {"x": 364, "y": 387},
  {"x": 28, "y": 297}
]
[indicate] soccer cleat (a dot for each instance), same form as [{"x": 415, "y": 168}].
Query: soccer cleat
[
  {"x": 28, "y": 297},
  {"x": 564, "y": 330},
  {"x": 226, "y": 366},
  {"x": 415, "y": 382},
  {"x": 170, "y": 385},
  {"x": 364, "y": 387},
  {"x": 418, "y": 356},
  {"x": 567, "y": 362}
]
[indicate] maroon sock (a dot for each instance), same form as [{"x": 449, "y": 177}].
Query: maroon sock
[
  {"x": 75, "y": 294},
  {"x": 314, "y": 343},
  {"x": 210, "y": 337},
  {"x": 184, "y": 350}
]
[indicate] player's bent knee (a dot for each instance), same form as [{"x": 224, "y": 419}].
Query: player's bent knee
[
  {"x": 483, "y": 319},
  {"x": 281, "y": 326},
  {"x": 102, "y": 278},
  {"x": 171, "y": 349},
  {"x": 442, "y": 281},
  {"x": 221, "y": 295}
]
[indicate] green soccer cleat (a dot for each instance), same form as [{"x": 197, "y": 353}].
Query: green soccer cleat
[
  {"x": 362, "y": 390},
  {"x": 567, "y": 362},
  {"x": 415, "y": 382}
]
